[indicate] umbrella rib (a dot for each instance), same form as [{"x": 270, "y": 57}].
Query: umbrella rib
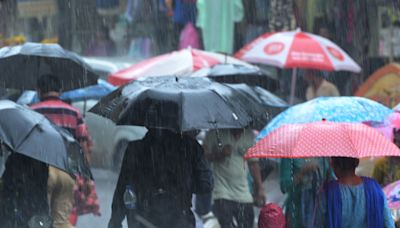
[
  {"x": 351, "y": 141},
  {"x": 27, "y": 135},
  {"x": 228, "y": 104}
]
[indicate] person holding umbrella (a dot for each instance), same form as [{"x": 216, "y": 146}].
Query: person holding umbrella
[
  {"x": 319, "y": 86},
  {"x": 61, "y": 184},
  {"x": 161, "y": 171},
  {"x": 24, "y": 192},
  {"x": 225, "y": 148}
]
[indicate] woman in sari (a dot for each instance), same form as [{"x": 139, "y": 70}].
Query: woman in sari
[{"x": 302, "y": 179}]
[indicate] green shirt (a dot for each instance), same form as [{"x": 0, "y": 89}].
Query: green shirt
[
  {"x": 230, "y": 174},
  {"x": 217, "y": 20}
]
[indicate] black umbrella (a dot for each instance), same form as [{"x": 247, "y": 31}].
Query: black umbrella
[
  {"x": 180, "y": 104},
  {"x": 27, "y": 132},
  {"x": 22, "y": 65},
  {"x": 233, "y": 73},
  {"x": 272, "y": 104}
]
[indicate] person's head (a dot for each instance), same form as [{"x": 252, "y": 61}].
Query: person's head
[
  {"x": 48, "y": 85},
  {"x": 159, "y": 132},
  {"x": 321, "y": 27},
  {"x": 343, "y": 166},
  {"x": 103, "y": 33},
  {"x": 313, "y": 76}
]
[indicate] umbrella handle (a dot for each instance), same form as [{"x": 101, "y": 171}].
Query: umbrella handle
[{"x": 293, "y": 86}]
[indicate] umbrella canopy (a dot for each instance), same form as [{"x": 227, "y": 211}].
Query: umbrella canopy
[
  {"x": 323, "y": 139},
  {"x": 233, "y": 73},
  {"x": 296, "y": 49},
  {"x": 22, "y": 65},
  {"x": 337, "y": 109},
  {"x": 180, "y": 62},
  {"x": 272, "y": 104},
  {"x": 179, "y": 104},
  {"x": 392, "y": 192},
  {"x": 29, "y": 133}
]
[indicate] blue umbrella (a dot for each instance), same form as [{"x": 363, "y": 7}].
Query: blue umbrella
[
  {"x": 338, "y": 109},
  {"x": 91, "y": 92}
]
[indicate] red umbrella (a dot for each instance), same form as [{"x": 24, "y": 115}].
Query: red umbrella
[
  {"x": 175, "y": 63},
  {"x": 323, "y": 139},
  {"x": 296, "y": 49}
]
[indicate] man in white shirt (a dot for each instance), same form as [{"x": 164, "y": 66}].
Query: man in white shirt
[
  {"x": 318, "y": 86},
  {"x": 225, "y": 148}
]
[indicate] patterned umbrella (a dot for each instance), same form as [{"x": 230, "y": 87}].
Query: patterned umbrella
[
  {"x": 392, "y": 192},
  {"x": 297, "y": 49},
  {"x": 175, "y": 63},
  {"x": 323, "y": 139},
  {"x": 386, "y": 127},
  {"x": 337, "y": 109}
]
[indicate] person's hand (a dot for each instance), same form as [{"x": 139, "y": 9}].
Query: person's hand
[
  {"x": 260, "y": 197},
  {"x": 307, "y": 168},
  {"x": 227, "y": 150}
]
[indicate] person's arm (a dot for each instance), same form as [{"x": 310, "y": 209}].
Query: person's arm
[
  {"x": 118, "y": 210},
  {"x": 255, "y": 172},
  {"x": 203, "y": 177},
  {"x": 215, "y": 153},
  {"x": 83, "y": 137}
]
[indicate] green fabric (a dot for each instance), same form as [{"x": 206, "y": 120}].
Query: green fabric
[
  {"x": 217, "y": 20},
  {"x": 299, "y": 205},
  {"x": 230, "y": 175}
]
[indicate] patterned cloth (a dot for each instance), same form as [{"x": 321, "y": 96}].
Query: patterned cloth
[
  {"x": 63, "y": 115},
  {"x": 86, "y": 200}
]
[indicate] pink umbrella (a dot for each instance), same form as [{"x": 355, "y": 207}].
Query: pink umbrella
[
  {"x": 323, "y": 139},
  {"x": 296, "y": 49},
  {"x": 175, "y": 63},
  {"x": 392, "y": 192}
]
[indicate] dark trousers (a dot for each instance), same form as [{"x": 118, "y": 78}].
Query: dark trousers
[{"x": 226, "y": 211}]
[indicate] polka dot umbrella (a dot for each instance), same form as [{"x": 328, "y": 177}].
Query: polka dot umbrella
[{"x": 323, "y": 139}]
